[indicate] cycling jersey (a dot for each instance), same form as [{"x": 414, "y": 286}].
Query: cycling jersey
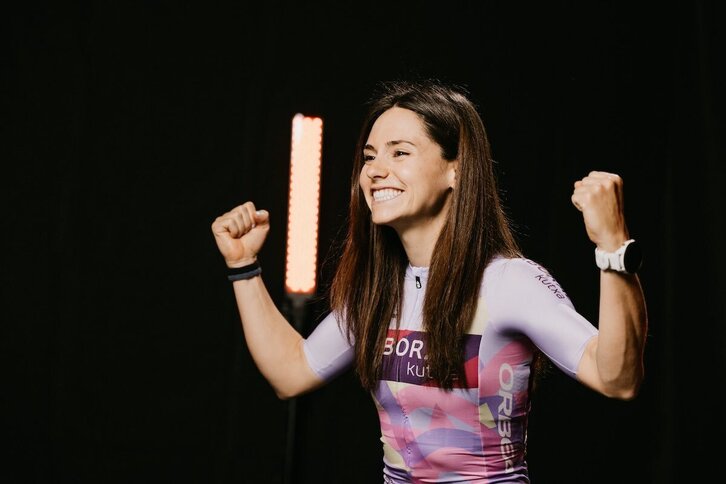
[{"x": 477, "y": 432}]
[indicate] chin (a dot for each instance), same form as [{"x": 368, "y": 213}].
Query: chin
[
  {"x": 386, "y": 216},
  {"x": 382, "y": 220}
]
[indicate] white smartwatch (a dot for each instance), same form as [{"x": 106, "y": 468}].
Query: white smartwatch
[{"x": 628, "y": 258}]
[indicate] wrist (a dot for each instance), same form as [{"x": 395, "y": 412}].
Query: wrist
[
  {"x": 241, "y": 262},
  {"x": 627, "y": 258},
  {"x": 613, "y": 243},
  {"x": 244, "y": 272}
]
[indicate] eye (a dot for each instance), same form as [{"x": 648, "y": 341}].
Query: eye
[
  {"x": 367, "y": 158},
  {"x": 398, "y": 153}
]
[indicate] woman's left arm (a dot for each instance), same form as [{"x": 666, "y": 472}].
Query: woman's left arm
[{"x": 612, "y": 363}]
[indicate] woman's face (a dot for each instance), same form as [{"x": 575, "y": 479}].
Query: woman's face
[{"x": 405, "y": 180}]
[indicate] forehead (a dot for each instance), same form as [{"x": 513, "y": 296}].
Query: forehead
[{"x": 397, "y": 124}]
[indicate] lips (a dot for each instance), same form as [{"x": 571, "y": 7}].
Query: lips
[{"x": 385, "y": 194}]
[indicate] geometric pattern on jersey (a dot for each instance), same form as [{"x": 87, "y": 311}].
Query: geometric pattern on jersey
[{"x": 477, "y": 432}]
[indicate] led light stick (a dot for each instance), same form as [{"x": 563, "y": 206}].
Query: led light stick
[{"x": 302, "y": 237}]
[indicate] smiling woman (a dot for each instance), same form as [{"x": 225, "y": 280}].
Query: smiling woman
[
  {"x": 433, "y": 303},
  {"x": 406, "y": 181}
]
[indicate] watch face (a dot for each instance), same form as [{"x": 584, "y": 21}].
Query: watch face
[{"x": 633, "y": 257}]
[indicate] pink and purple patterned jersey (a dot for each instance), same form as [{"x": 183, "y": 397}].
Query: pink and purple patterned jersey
[{"x": 477, "y": 432}]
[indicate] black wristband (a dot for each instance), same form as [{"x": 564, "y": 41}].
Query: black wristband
[{"x": 245, "y": 272}]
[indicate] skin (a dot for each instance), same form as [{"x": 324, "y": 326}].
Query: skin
[
  {"x": 612, "y": 363},
  {"x": 400, "y": 156},
  {"x": 276, "y": 347}
]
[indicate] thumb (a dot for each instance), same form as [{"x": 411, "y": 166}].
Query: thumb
[{"x": 262, "y": 217}]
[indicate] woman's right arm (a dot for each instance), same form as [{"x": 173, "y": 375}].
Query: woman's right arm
[{"x": 276, "y": 347}]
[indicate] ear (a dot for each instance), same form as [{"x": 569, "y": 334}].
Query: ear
[{"x": 452, "y": 168}]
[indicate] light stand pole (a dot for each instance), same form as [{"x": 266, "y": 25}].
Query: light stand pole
[
  {"x": 302, "y": 244},
  {"x": 296, "y": 315}
]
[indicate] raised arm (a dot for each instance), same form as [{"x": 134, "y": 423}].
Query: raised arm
[
  {"x": 613, "y": 360},
  {"x": 276, "y": 347}
]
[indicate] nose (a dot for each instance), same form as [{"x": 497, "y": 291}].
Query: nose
[{"x": 376, "y": 169}]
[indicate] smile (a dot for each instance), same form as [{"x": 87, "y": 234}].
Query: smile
[{"x": 386, "y": 194}]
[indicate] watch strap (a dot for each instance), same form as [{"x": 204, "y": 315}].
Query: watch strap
[{"x": 612, "y": 260}]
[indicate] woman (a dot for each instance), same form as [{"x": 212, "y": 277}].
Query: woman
[{"x": 434, "y": 304}]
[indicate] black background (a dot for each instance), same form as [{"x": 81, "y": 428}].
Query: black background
[{"x": 129, "y": 126}]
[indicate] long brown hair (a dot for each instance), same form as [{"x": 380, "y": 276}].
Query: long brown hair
[{"x": 367, "y": 287}]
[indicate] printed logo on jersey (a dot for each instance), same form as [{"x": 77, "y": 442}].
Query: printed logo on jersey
[
  {"x": 547, "y": 280},
  {"x": 504, "y": 414},
  {"x": 404, "y": 358}
]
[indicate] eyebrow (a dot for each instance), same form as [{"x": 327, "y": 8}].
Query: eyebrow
[{"x": 389, "y": 144}]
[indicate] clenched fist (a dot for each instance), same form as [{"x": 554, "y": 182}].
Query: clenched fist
[
  {"x": 599, "y": 196},
  {"x": 240, "y": 234}
]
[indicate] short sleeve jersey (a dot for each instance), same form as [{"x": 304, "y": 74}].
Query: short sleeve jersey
[{"x": 477, "y": 432}]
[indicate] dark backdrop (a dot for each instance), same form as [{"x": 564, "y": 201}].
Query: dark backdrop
[{"x": 129, "y": 126}]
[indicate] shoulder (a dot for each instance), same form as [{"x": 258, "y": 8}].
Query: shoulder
[{"x": 520, "y": 276}]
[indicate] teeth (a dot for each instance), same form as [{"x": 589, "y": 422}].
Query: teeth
[{"x": 386, "y": 194}]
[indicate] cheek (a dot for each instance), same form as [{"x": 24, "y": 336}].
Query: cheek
[
  {"x": 439, "y": 177},
  {"x": 364, "y": 184}
]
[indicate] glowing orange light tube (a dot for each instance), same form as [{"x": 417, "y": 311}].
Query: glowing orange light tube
[{"x": 304, "y": 205}]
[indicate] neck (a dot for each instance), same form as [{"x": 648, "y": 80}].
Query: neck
[{"x": 419, "y": 241}]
